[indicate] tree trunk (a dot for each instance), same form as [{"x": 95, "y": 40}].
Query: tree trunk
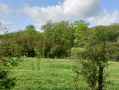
[{"x": 100, "y": 81}]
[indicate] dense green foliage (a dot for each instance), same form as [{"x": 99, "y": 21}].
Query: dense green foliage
[
  {"x": 92, "y": 46},
  {"x": 7, "y": 52},
  {"x": 58, "y": 38},
  {"x": 96, "y": 43}
]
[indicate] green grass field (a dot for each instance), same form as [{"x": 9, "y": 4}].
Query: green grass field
[{"x": 55, "y": 74}]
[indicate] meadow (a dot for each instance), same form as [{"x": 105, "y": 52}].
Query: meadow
[{"x": 55, "y": 74}]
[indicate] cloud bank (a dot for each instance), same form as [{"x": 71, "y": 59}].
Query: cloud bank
[
  {"x": 71, "y": 10},
  {"x": 67, "y": 10}
]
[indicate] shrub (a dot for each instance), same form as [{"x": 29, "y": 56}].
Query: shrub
[{"x": 6, "y": 82}]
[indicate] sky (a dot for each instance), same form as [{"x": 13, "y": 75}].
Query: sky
[{"x": 17, "y": 14}]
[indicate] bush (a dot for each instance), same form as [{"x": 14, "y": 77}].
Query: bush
[
  {"x": 7, "y": 52},
  {"x": 6, "y": 82}
]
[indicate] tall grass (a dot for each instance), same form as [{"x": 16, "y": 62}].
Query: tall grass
[{"x": 55, "y": 74}]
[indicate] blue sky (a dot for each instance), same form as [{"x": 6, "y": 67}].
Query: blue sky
[{"x": 17, "y": 14}]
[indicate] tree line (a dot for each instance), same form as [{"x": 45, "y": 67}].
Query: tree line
[{"x": 59, "y": 39}]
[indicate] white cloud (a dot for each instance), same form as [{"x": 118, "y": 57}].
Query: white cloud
[
  {"x": 4, "y": 10},
  {"x": 105, "y": 19},
  {"x": 67, "y": 10},
  {"x": 81, "y": 8}
]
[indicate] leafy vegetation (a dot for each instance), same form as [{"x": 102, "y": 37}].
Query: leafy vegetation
[
  {"x": 7, "y": 51},
  {"x": 93, "y": 47},
  {"x": 58, "y": 38}
]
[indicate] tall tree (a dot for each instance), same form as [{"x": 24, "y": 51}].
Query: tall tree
[
  {"x": 60, "y": 35},
  {"x": 79, "y": 27},
  {"x": 31, "y": 34}
]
